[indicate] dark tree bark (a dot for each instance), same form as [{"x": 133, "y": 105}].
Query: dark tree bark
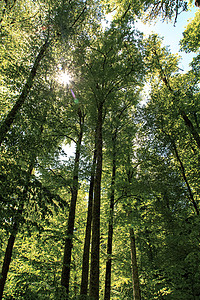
[
  {"x": 6, "y": 124},
  {"x": 135, "y": 278},
  {"x": 65, "y": 277},
  {"x": 182, "y": 168},
  {"x": 94, "y": 272},
  {"x": 16, "y": 223},
  {"x": 110, "y": 226},
  {"x": 86, "y": 250},
  {"x": 7, "y": 259},
  {"x": 191, "y": 128},
  {"x": 185, "y": 178}
]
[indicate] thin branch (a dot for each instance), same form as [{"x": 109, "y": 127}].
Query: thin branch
[
  {"x": 55, "y": 174},
  {"x": 79, "y": 16},
  {"x": 124, "y": 15},
  {"x": 97, "y": 51}
]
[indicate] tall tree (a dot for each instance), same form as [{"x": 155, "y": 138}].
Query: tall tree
[
  {"x": 72, "y": 210},
  {"x": 5, "y": 127},
  {"x": 115, "y": 74},
  {"x": 136, "y": 286},
  {"x": 86, "y": 250},
  {"x": 54, "y": 27},
  {"x": 110, "y": 226},
  {"x": 16, "y": 223},
  {"x": 94, "y": 272}
]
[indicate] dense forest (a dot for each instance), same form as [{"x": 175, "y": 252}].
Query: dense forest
[{"x": 119, "y": 219}]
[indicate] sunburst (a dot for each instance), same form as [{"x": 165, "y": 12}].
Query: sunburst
[{"x": 64, "y": 78}]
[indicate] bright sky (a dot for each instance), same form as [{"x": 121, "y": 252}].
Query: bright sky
[{"x": 172, "y": 35}]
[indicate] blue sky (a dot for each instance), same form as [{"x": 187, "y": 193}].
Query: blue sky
[{"x": 172, "y": 35}]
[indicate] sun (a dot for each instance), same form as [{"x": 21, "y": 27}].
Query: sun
[{"x": 64, "y": 78}]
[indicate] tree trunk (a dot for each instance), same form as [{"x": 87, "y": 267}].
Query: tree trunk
[
  {"x": 135, "y": 278},
  {"x": 11, "y": 240},
  {"x": 6, "y": 124},
  {"x": 86, "y": 251},
  {"x": 6, "y": 262},
  {"x": 65, "y": 277},
  {"x": 94, "y": 272},
  {"x": 185, "y": 179},
  {"x": 191, "y": 128},
  {"x": 110, "y": 226}
]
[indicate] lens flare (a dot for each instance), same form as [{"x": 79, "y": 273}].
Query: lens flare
[
  {"x": 65, "y": 78},
  {"x": 73, "y": 95}
]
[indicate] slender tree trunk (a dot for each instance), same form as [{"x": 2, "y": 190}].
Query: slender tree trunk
[
  {"x": 65, "y": 277},
  {"x": 6, "y": 262},
  {"x": 135, "y": 278},
  {"x": 191, "y": 128},
  {"x": 6, "y": 124},
  {"x": 11, "y": 240},
  {"x": 185, "y": 179},
  {"x": 86, "y": 251},
  {"x": 94, "y": 272},
  {"x": 110, "y": 226}
]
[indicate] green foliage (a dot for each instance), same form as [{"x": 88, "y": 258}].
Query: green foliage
[
  {"x": 152, "y": 179},
  {"x": 167, "y": 10},
  {"x": 191, "y": 36}
]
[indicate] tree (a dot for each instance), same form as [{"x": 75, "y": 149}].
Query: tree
[
  {"x": 106, "y": 88},
  {"x": 53, "y": 24},
  {"x": 150, "y": 10},
  {"x": 86, "y": 250},
  {"x": 190, "y": 40},
  {"x": 5, "y": 127},
  {"x": 74, "y": 191},
  {"x": 18, "y": 186},
  {"x": 136, "y": 287},
  {"x": 172, "y": 112},
  {"x": 135, "y": 169},
  {"x": 11, "y": 240}
]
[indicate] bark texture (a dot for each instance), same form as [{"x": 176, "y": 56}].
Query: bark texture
[
  {"x": 110, "y": 226},
  {"x": 94, "y": 272},
  {"x": 86, "y": 250},
  {"x": 135, "y": 278},
  {"x": 6, "y": 262},
  {"x": 11, "y": 240},
  {"x": 65, "y": 277},
  {"x": 182, "y": 168}
]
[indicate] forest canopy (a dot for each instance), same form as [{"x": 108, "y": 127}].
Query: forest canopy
[{"x": 118, "y": 219}]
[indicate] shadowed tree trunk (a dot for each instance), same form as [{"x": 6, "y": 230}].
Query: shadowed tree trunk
[
  {"x": 17, "y": 220},
  {"x": 191, "y": 196},
  {"x": 16, "y": 223},
  {"x": 94, "y": 272},
  {"x": 6, "y": 124},
  {"x": 191, "y": 128},
  {"x": 65, "y": 277},
  {"x": 7, "y": 259},
  {"x": 110, "y": 226},
  {"x": 135, "y": 278},
  {"x": 86, "y": 250},
  {"x": 182, "y": 168}
]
